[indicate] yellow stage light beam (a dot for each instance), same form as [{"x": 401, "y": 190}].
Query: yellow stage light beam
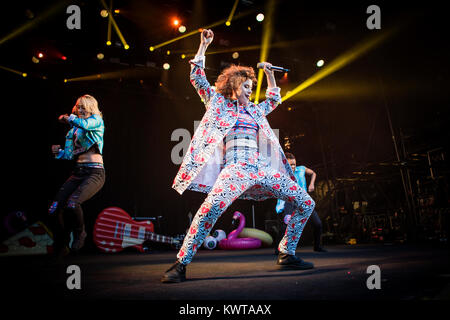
[
  {"x": 336, "y": 90},
  {"x": 265, "y": 45},
  {"x": 108, "y": 37},
  {"x": 215, "y": 24},
  {"x": 23, "y": 74},
  {"x": 281, "y": 44},
  {"x": 246, "y": 48},
  {"x": 232, "y": 12},
  {"x": 343, "y": 60},
  {"x": 125, "y": 73},
  {"x": 116, "y": 27},
  {"x": 33, "y": 23}
]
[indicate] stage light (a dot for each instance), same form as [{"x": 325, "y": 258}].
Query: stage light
[
  {"x": 265, "y": 44},
  {"x": 64, "y": 58},
  {"x": 166, "y": 66},
  {"x": 114, "y": 24},
  {"x": 151, "y": 48},
  {"x": 183, "y": 56},
  {"x": 100, "y": 56},
  {"x": 176, "y": 22},
  {"x": 230, "y": 17},
  {"x": 41, "y": 17},
  {"x": 235, "y": 55},
  {"x": 168, "y": 52},
  {"x": 343, "y": 60},
  {"x": 108, "y": 43},
  {"x": 127, "y": 47},
  {"x": 260, "y": 17},
  {"x": 65, "y": 80},
  {"x": 104, "y": 13},
  {"x": 117, "y": 11},
  {"x": 320, "y": 63},
  {"x": 182, "y": 29},
  {"x": 40, "y": 55},
  {"x": 249, "y": 28},
  {"x": 34, "y": 59},
  {"x": 24, "y": 75}
]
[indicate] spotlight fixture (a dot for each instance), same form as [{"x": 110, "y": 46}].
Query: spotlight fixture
[
  {"x": 104, "y": 13},
  {"x": 260, "y": 17},
  {"x": 320, "y": 63},
  {"x": 182, "y": 29},
  {"x": 100, "y": 56},
  {"x": 228, "y": 23},
  {"x": 235, "y": 55},
  {"x": 166, "y": 66}
]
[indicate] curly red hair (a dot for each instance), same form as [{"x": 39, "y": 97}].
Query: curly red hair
[{"x": 232, "y": 78}]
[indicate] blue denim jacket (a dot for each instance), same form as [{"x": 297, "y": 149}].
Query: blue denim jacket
[
  {"x": 87, "y": 132},
  {"x": 299, "y": 174}
]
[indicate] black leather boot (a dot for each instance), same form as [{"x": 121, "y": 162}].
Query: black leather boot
[
  {"x": 176, "y": 273},
  {"x": 290, "y": 262}
]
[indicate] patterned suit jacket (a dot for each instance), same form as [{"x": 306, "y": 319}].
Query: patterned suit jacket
[{"x": 204, "y": 160}]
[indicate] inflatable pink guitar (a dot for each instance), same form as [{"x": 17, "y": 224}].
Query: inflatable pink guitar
[{"x": 235, "y": 243}]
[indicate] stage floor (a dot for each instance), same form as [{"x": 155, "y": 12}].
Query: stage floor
[{"x": 407, "y": 273}]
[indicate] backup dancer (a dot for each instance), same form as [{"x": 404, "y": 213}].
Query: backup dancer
[
  {"x": 286, "y": 208},
  {"x": 84, "y": 144},
  {"x": 235, "y": 154}
]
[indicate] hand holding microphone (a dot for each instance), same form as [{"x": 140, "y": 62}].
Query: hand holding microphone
[{"x": 268, "y": 66}]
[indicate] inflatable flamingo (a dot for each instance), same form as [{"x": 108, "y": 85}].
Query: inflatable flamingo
[{"x": 235, "y": 243}]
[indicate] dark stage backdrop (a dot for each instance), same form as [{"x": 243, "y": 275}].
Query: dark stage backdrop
[{"x": 341, "y": 128}]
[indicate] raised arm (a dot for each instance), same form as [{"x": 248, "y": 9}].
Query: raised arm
[
  {"x": 273, "y": 97},
  {"x": 198, "y": 76},
  {"x": 92, "y": 123}
]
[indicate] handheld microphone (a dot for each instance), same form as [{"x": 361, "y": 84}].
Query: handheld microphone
[{"x": 274, "y": 68}]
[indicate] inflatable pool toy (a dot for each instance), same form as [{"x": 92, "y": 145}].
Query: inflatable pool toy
[
  {"x": 266, "y": 239},
  {"x": 210, "y": 242},
  {"x": 235, "y": 243},
  {"x": 219, "y": 235}
]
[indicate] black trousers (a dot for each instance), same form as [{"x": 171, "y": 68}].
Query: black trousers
[
  {"x": 314, "y": 218},
  {"x": 82, "y": 185}
]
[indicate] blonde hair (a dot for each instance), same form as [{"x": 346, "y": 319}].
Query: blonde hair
[{"x": 90, "y": 105}]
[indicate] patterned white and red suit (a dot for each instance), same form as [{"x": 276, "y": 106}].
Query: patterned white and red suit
[{"x": 257, "y": 171}]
